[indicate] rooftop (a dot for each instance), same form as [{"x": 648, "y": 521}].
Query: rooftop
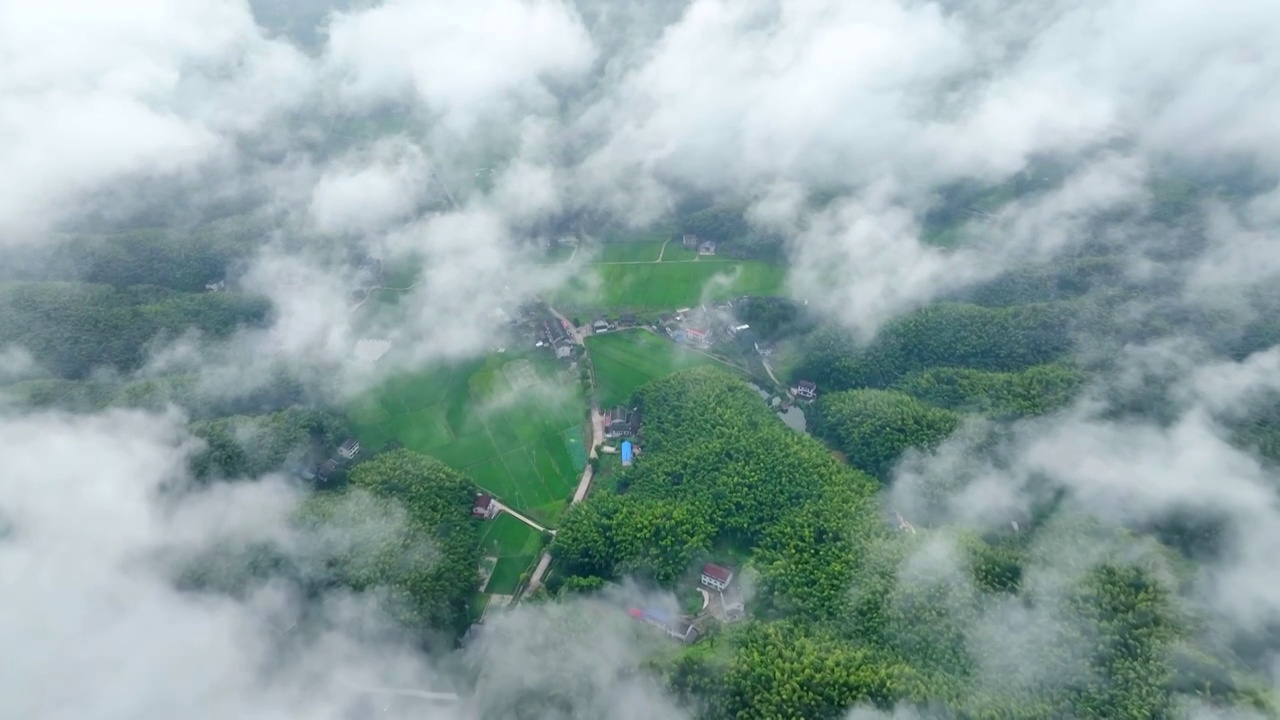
[{"x": 722, "y": 574}]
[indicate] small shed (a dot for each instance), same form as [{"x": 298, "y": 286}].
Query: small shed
[{"x": 627, "y": 456}]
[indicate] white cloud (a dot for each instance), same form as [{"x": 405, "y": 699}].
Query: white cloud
[
  {"x": 460, "y": 59},
  {"x": 90, "y": 95}
]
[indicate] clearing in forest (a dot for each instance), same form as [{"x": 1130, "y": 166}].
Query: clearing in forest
[
  {"x": 624, "y": 361},
  {"x": 523, "y": 445}
]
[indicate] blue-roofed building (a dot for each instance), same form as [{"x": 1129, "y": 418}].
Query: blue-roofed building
[{"x": 626, "y": 453}]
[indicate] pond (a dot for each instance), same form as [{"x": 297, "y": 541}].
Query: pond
[{"x": 793, "y": 416}]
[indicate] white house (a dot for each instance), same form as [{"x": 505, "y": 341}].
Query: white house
[
  {"x": 805, "y": 389},
  {"x": 716, "y": 577},
  {"x": 349, "y": 449}
]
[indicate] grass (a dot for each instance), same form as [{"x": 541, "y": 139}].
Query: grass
[
  {"x": 669, "y": 285},
  {"x": 676, "y": 252},
  {"x": 523, "y": 446},
  {"x": 630, "y": 252},
  {"x": 515, "y": 545},
  {"x": 624, "y": 361}
]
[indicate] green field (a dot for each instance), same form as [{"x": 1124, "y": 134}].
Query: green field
[
  {"x": 515, "y": 545},
  {"x": 629, "y": 252},
  {"x": 668, "y": 285},
  {"x": 626, "y": 360},
  {"x": 676, "y": 252},
  {"x": 522, "y": 445}
]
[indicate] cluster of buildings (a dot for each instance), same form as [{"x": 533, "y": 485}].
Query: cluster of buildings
[
  {"x": 554, "y": 334},
  {"x": 621, "y": 421},
  {"x": 704, "y": 325},
  {"x": 725, "y": 605},
  {"x": 704, "y": 247},
  {"x": 622, "y": 322}
]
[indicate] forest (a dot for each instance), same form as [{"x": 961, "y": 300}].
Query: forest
[
  {"x": 835, "y": 620},
  {"x": 71, "y": 329}
]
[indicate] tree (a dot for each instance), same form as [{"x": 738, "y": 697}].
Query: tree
[
  {"x": 872, "y": 428},
  {"x": 247, "y": 447}
]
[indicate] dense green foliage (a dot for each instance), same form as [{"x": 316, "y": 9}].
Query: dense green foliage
[
  {"x": 872, "y": 428},
  {"x": 198, "y": 399},
  {"x": 247, "y": 447},
  {"x": 73, "y": 328},
  {"x": 1045, "y": 622},
  {"x": 773, "y": 318},
  {"x": 1034, "y": 391},
  {"x": 719, "y": 468},
  {"x": 943, "y": 335},
  {"x": 400, "y": 531},
  {"x": 428, "y": 563}
]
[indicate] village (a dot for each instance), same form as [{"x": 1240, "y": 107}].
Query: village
[{"x": 712, "y": 329}]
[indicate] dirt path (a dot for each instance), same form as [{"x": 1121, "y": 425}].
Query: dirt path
[
  {"x": 769, "y": 370},
  {"x": 522, "y": 518},
  {"x": 663, "y": 251}
]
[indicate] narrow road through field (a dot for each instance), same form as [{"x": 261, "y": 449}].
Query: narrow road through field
[
  {"x": 584, "y": 485},
  {"x": 508, "y": 510},
  {"x": 663, "y": 251}
]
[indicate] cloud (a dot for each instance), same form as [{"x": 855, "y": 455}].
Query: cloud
[
  {"x": 97, "y": 529},
  {"x": 149, "y": 88},
  {"x": 461, "y": 60},
  {"x": 371, "y": 190}
]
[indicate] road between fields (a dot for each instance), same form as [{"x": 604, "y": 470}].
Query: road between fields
[
  {"x": 503, "y": 507},
  {"x": 584, "y": 485}
]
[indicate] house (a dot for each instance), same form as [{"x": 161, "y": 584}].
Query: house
[
  {"x": 627, "y": 456},
  {"x": 805, "y": 389},
  {"x": 697, "y": 335},
  {"x": 600, "y": 326},
  {"x": 707, "y": 248},
  {"x": 763, "y": 349},
  {"x": 349, "y": 449},
  {"x": 716, "y": 577},
  {"x": 690, "y": 242},
  {"x": 216, "y": 286},
  {"x": 564, "y": 352},
  {"x": 621, "y": 421},
  {"x": 326, "y": 469},
  {"x": 627, "y": 319},
  {"x": 678, "y": 628},
  {"x": 484, "y": 507}
]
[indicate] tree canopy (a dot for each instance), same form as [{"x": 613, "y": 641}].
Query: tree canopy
[
  {"x": 73, "y": 328},
  {"x": 250, "y": 446},
  {"x": 872, "y": 428},
  {"x": 943, "y": 335}
]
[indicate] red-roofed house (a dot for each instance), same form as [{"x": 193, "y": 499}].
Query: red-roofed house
[
  {"x": 484, "y": 507},
  {"x": 714, "y": 576}
]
